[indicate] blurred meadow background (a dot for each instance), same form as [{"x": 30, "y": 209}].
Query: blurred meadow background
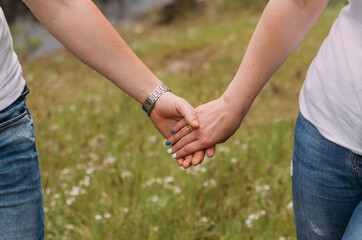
[{"x": 105, "y": 170}]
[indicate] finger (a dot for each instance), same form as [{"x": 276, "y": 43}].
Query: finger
[
  {"x": 198, "y": 157},
  {"x": 210, "y": 152},
  {"x": 188, "y": 149},
  {"x": 182, "y": 123},
  {"x": 180, "y": 161},
  {"x": 187, "y": 162},
  {"x": 191, "y": 137},
  {"x": 176, "y": 137},
  {"x": 188, "y": 112}
]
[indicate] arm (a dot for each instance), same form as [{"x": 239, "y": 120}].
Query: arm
[
  {"x": 282, "y": 27},
  {"x": 82, "y": 28}
]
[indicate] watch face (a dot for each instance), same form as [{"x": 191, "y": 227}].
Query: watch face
[
  {"x": 152, "y": 98},
  {"x": 145, "y": 109}
]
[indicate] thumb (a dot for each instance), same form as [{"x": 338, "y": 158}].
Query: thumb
[{"x": 188, "y": 112}]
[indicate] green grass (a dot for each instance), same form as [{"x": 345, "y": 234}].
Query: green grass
[{"x": 105, "y": 171}]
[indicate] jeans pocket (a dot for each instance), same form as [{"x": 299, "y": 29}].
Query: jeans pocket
[{"x": 15, "y": 118}]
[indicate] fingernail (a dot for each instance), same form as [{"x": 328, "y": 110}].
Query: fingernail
[
  {"x": 195, "y": 122},
  {"x": 168, "y": 142},
  {"x": 169, "y": 150},
  {"x": 172, "y": 131},
  {"x": 174, "y": 155}
]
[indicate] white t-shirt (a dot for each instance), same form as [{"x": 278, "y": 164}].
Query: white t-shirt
[
  {"x": 331, "y": 97},
  {"x": 11, "y": 80}
]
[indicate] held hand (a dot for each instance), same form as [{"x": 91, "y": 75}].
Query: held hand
[
  {"x": 168, "y": 110},
  {"x": 218, "y": 122}
]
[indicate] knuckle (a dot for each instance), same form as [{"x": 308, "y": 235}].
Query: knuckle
[
  {"x": 176, "y": 136},
  {"x": 175, "y": 148},
  {"x": 186, "y": 149},
  {"x": 204, "y": 141}
]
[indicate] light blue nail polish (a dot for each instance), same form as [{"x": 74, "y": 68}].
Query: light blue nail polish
[
  {"x": 172, "y": 131},
  {"x": 168, "y": 142},
  {"x": 169, "y": 150},
  {"x": 174, "y": 155}
]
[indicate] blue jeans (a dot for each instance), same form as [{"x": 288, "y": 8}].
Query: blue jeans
[
  {"x": 327, "y": 187},
  {"x": 21, "y": 203}
]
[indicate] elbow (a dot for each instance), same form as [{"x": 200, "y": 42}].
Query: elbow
[{"x": 312, "y": 7}]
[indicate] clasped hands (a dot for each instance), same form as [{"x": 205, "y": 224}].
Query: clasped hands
[{"x": 192, "y": 133}]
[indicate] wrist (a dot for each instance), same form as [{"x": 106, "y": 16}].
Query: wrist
[
  {"x": 152, "y": 98},
  {"x": 234, "y": 104}
]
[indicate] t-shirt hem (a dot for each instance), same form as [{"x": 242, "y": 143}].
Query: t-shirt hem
[
  {"x": 13, "y": 96},
  {"x": 325, "y": 134}
]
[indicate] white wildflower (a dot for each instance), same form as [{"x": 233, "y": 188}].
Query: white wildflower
[
  {"x": 85, "y": 182},
  {"x": 177, "y": 190},
  {"x": 290, "y": 205},
  {"x": 97, "y": 111},
  {"x": 107, "y": 215},
  {"x": 72, "y": 107},
  {"x": 259, "y": 188},
  {"x": 90, "y": 170},
  {"x": 97, "y": 217},
  {"x": 212, "y": 182},
  {"x": 65, "y": 171},
  {"x": 248, "y": 223},
  {"x": 121, "y": 131},
  {"x": 253, "y": 217},
  {"x": 93, "y": 156},
  {"x": 224, "y": 149},
  {"x": 48, "y": 191},
  {"x": 54, "y": 127},
  {"x": 152, "y": 138},
  {"x": 168, "y": 179},
  {"x": 148, "y": 183},
  {"x": 70, "y": 201},
  {"x": 69, "y": 226},
  {"x": 110, "y": 159},
  {"x": 75, "y": 191},
  {"x": 154, "y": 198},
  {"x": 125, "y": 174}
]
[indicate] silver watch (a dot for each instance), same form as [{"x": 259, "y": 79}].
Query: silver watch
[{"x": 153, "y": 97}]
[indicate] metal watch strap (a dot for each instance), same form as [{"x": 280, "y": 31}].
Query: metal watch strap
[{"x": 153, "y": 97}]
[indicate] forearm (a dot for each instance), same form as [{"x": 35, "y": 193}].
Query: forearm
[
  {"x": 82, "y": 28},
  {"x": 280, "y": 30}
]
